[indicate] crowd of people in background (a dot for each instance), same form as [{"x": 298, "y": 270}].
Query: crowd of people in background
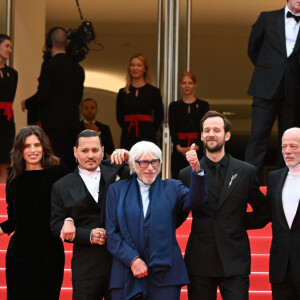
[{"x": 119, "y": 214}]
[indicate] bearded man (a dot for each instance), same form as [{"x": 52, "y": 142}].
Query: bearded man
[{"x": 218, "y": 250}]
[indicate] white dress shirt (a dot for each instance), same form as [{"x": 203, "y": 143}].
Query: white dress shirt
[
  {"x": 92, "y": 181},
  {"x": 144, "y": 189},
  {"x": 291, "y": 194},
  {"x": 291, "y": 31}
]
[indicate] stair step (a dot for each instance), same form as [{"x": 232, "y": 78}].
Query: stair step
[
  {"x": 66, "y": 294},
  {"x": 253, "y": 295},
  {"x": 67, "y": 282}
]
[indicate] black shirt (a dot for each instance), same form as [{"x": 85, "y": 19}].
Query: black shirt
[{"x": 222, "y": 164}]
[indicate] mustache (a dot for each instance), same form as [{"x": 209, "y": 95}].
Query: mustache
[
  {"x": 149, "y": 172},
  {"x": 90, "y": 160}
]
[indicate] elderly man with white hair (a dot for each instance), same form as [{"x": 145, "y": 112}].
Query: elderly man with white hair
[
  {"x": 284, "y": 194},
  {"x": 141, "y": 215}
]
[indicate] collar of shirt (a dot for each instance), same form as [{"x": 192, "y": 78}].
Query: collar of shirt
[
  {"x": 87, "y": 172},
  {"x": 58, "y": 53},
  {"x": 88, "y": 122},
  {"x": 287, "y": 9},
  {"x": 295, "y": 170},
  {"x": 223, "y": 162}
]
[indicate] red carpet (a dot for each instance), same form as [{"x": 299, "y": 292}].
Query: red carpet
[{"x": 259, "y": 239}]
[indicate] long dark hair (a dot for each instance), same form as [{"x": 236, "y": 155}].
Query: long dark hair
[{"x": 16, "y": 154}]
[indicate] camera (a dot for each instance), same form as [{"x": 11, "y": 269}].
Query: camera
[{"x": 79, "y": 39}]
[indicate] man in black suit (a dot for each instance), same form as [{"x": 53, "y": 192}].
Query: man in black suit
[
  {"x": 284, "y": 194},
  {"x": 78, "y": 216},
  {"x": 89, "y": 111},
  {"x": 218, "y": 251},
  {"x": 58, "y": 96},
  {"x": 274, "y": 49}
]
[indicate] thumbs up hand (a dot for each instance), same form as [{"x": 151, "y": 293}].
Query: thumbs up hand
[{"x": 192, "y": 158}]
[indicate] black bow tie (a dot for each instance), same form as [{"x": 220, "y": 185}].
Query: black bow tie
[{"x": 290, "y": 15}]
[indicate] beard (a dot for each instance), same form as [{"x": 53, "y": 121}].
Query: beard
[
  {"x": 146, "y": 180},
  {"x": 214, "y": 149}
]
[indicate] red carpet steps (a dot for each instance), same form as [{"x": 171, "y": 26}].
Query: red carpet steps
[{"x": 259, "y": 239}]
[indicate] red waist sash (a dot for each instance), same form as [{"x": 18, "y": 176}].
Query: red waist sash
[
  {"x": 134, "y": 121},
  {"x": 190, "y": 136},
  {"x": 8, "y": 111}
]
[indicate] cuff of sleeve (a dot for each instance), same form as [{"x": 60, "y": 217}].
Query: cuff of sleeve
[
  {"x": 69, "y": 219},
  {"x": 133, "y": 260},
  {"x": 91, "y": 236},
  {"x": 200, "y": 172}
]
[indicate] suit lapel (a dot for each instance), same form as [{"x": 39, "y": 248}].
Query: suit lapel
[
  {"x": 281, "y": 30},
  {"x": 232, "y": 177},
  {"x": 278, "y": 198},
  {"x": 297, "y": 216},
  {"x": 79, "y": 191}
]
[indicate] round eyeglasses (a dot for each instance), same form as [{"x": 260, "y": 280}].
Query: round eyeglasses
[{"x": 145, "y": 163}]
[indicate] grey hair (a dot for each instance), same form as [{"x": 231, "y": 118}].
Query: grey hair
[{"x": 140, "y": 149}]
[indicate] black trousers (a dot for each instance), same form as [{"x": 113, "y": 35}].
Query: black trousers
[
  {"x": 231, "y": 288},
  {"x": 264, "y": 113},
  {"x": 92, "y": 289},
  {"x": 287, "y": 290}
]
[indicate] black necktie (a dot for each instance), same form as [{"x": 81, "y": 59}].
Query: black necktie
[
  {"x": 290, "y": 15},
  {"x": 218, "y": 177}
]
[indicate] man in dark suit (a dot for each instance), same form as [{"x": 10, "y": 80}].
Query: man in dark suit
[
  {"x": 89, "y": 111},
  {"x": 218, "y": 251},
  {"x": 284, "y": 194},
  {"x": 274, "y": 49},
  {"x": 58, "y": 96},
  {"x": 78, "y": 216}
]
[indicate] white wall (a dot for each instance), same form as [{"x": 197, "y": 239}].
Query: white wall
[{"x": 28, "y": 35}]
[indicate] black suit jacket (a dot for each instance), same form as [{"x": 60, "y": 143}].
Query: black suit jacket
[
  {"x": 59, "y": 93},
  {"x": 267, "y": 51},
  {"x": 285, "y": 246},
  {"x": 70, "y": 198},
  {"x": 218, "y": 245}
]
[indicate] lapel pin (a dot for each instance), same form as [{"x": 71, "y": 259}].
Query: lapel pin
[{"x": 232, "y": 178}]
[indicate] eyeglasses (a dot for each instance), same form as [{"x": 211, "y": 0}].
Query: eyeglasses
[{"x": 145, "y": 163}]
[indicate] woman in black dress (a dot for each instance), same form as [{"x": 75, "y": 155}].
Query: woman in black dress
[
  {"x": 139, "y": 105},
  {"x": 184, "y": 122},
  {"x": 8, "y": 86},
  {"x": 34, "y": 258}
]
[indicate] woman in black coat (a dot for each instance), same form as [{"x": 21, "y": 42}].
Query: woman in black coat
[
  {"x": 8, "y": 86},
  {"x": 139, "y": 105},
  {"x": 34, "y": 258},
  {"x": 184, "y": 122}
]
